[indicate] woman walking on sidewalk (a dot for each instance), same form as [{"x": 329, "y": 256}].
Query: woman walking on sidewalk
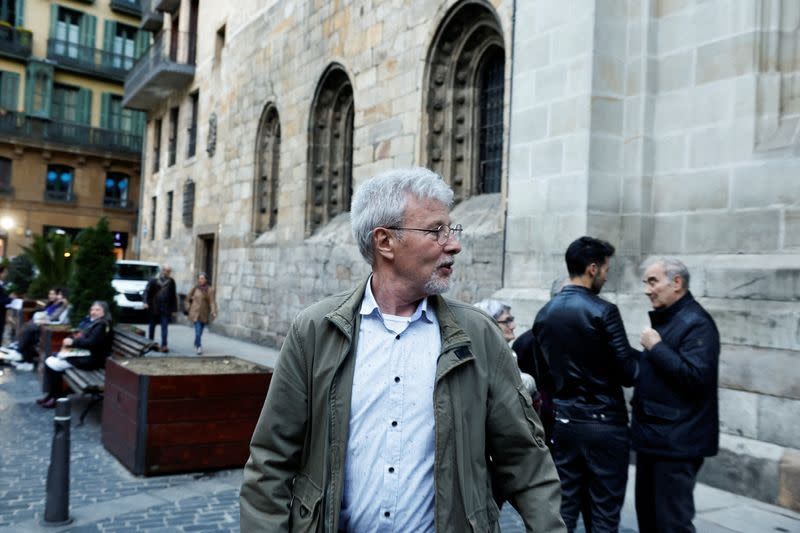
[{"x": 201, "y": 304}]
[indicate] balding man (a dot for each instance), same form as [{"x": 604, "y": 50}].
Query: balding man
[
  {"x": 675, "y": 416},
  {"x": 161, "y": 300}
]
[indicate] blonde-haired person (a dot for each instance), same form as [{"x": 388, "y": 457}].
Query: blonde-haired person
[{"x": 201, "y": 303}]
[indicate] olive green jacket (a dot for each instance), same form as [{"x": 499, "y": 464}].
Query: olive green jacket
[{"x": 294, "y": 477}]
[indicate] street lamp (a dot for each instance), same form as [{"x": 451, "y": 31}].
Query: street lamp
[{"x": 6, "y": 223}]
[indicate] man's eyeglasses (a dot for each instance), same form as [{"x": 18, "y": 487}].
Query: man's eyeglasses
[
  {"x": 508, "y": 320},
  {"x": 443, "y": 232}
]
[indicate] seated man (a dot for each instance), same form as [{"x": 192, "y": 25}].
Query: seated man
[
  {"x": 94, "y": 344},
  {"x": 55, "y": 312}
]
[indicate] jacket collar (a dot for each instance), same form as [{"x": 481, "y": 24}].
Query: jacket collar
[
  {"x": 344, "y": 317},
  {"x": 661, "y": 316}
]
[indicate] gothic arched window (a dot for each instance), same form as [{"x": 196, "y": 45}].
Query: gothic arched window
[
  {"x": 464, "y": 100},
  {"x": 330, "y": 149},
  {"x": 268, "y": 150}
]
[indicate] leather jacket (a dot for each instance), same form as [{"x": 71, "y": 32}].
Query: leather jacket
[{"x": 583, "y": 341}]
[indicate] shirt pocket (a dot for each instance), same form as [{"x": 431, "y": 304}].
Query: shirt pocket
[
  {"x": 306, "y": 496},
  {"x": 534, "y": 424}
]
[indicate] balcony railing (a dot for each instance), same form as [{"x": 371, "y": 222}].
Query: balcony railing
[
  {"x": 23, "y": 127},
  {"x": 128, "y": 7},
  {"x": 152, "y": 19},
  {"x": 167, "y": 66},
  {"x": 116, "y": 203},
  {"x": 59, "y": 196},
  {"x": 87, "y": 60},
  {"x": 15, "y": 42}
]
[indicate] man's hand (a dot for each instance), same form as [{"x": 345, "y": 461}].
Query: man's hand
[
  {"x": 649, "y": 338},
  {"x": 145, "y": 306},
  {"x": 67, "y": 342}
]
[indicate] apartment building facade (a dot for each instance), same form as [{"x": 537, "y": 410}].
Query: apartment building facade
[{"x": 69, "y": 152}]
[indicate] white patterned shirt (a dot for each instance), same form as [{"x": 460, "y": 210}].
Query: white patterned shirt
[{"x": 388, "y": 478}]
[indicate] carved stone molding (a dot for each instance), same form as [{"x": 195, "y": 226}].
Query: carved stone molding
[
  {"x": 778, "y": 91},
  {"x": 330, "y": 149},
  {"x": 268, "y": 148},
  {"x": 462, "y": 124}
]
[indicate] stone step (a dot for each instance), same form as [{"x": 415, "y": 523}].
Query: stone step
[{"x": 766, "y": 472}]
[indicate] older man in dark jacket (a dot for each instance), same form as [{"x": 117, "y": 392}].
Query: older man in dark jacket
[{"x": 675, "y": 414}]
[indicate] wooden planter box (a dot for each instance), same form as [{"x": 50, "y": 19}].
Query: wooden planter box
[{"x": 178, "y": 414}]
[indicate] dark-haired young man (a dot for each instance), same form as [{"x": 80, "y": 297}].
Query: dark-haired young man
[{"x": 583, "y": 340}]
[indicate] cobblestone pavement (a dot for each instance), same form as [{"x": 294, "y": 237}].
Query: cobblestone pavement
[{"x": 105, "y": 497}]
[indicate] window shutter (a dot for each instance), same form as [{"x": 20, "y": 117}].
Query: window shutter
[
  {"x": 84, "y": 106},
  {"x": 9, "y": 87},
  {"x": 109, "y": 28},
  {"x": 53, "y": 20},
  {"x": 19, "y": 13},
  {"x": 142, "y": 43},
  {"x": 86, "y": 29},
  {"x": 105, "y": 111},
  {"x": 138, "y": 122}
]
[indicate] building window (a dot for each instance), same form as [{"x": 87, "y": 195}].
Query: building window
[
  {"x": 38, "y": 88},
  {"x": 65, "y": 103},
  {"x": 8, "y": 12},
  {"x": 9, "y": 90},
  {"x": 173, "y": 136},
  {"x": 330, "y": 149},
  {"x": 268, "y": 149},
  {"x": 191, "y": 142},
  {"x": 153, "y": 205},
  {"x": 157, "y": 145},
  {"x": 490, "y": 121},
  {"x": 219, "y": 45},
  {"x": 5, "y": 175},
  {"x": 116, "y": 192},
  {"x": 59, "y": 183},
  {"x": 67, "y": 32},
  {"x": 168, "y": 225},
  {"x": 123, "y": 46},
  {"x": 464, "y": 101}
]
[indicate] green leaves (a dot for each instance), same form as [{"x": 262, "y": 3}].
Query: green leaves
[{"x": 51, "y": 255}]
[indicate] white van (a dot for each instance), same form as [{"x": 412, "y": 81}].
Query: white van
[{"x": 130, "y": 280}]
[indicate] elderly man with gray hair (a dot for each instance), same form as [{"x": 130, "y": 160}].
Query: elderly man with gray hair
[
  {"x": 675, "y": 422},
  {"x": 391, "y": 407}
]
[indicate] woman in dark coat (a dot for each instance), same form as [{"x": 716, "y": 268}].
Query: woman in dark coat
[{"x": 95, "y": 338}]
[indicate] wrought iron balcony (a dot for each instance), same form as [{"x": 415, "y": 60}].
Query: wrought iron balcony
[
  {"x": 89, "y": 61},
  {"x": 41, "y": 130},
  {"x": 59, "y": 196},
  {"x": 15, "y": 42},
  {"x": 167, "y": 66},
  {"x": 117, "y": 203},
  {"x": 127, "y": 7},
  {"x": 152, "y": 19}
]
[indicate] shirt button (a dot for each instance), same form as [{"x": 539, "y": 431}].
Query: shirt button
[
  {"x": 394, "y": 423},
  {"x": 398, "y": 337},
  {"x": 397, "y": 379},
  {"x": 387, "y": 514},
  {"x": 391, "y": 470}
]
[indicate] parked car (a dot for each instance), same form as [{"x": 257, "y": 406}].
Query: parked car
[{"x": 130, "y": 280}]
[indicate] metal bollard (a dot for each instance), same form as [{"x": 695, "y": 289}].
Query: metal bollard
[{"x": 56, "y": 508}]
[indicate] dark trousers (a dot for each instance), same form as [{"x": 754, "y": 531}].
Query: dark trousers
[
  {"x": 163, "y": 320},
  {"x": 665, "y": 493},
  {"x": 592, "y": 462},
  {"x": 2, "y": 323},
  {"x": 53, "y": 383}
]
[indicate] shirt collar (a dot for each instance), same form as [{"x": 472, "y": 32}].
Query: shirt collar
[{"x": 370, "y": 307}]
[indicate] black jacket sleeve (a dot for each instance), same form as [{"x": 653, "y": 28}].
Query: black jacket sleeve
[
  {"x": 694, "y": 363},
  {"x": 626, "y": 359}
]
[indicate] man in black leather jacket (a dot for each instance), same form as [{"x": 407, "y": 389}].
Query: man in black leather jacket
[
  {"x": 675, "y": 411},
  {"x": 584, "y": 343}
]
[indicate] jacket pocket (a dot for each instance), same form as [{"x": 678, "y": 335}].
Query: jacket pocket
[
  {"x": 658, "y": 411},
  {"x": 530, "y": 415},
  {"x": 306, "y": 496},
  {"x": 486, "y": 519}
]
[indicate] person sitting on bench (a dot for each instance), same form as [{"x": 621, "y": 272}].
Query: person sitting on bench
[
  {"x": 94, "y": 345},
  {"x": 56, "y": 312}
]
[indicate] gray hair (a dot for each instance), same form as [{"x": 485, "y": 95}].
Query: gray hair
[
  {"x": 673, "y": 267},
  {"x": 382, "y": 199},
  {"x": 495, "y": 308},
  {"x": 104, "y": 306},
  {"x": 558, "y": 284}
]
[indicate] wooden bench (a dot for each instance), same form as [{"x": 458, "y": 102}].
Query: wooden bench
[{"x": 124, "y": 345}]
